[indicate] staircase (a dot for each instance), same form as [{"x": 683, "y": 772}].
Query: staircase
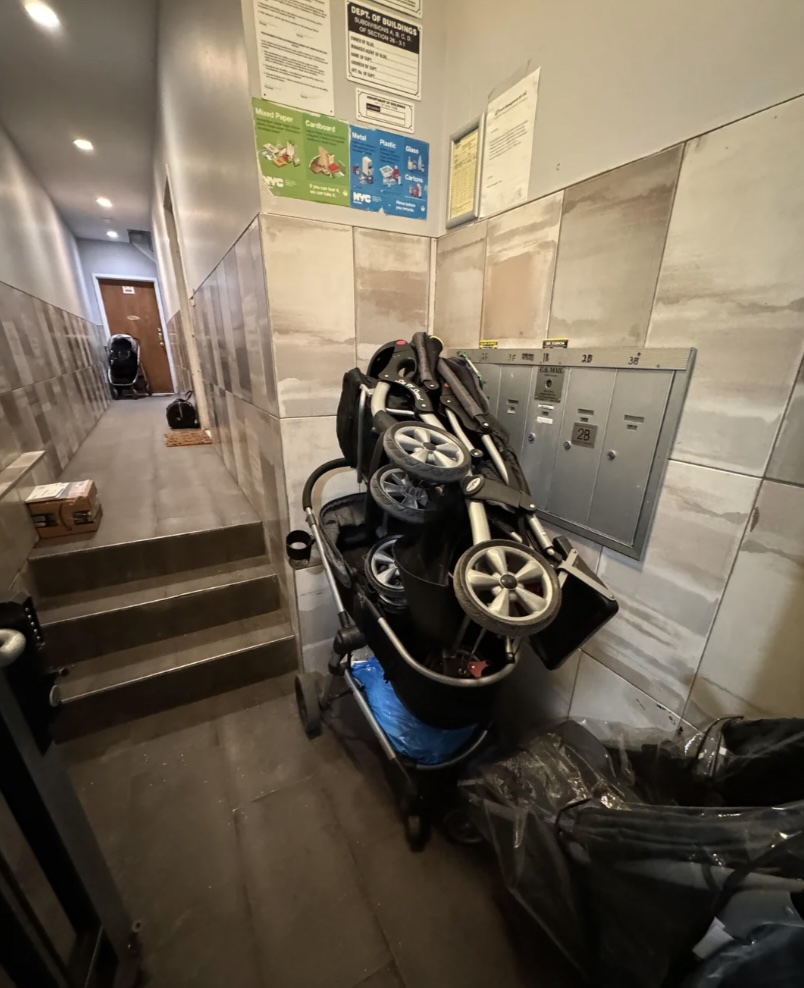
[{"x": 145, "y": 625}]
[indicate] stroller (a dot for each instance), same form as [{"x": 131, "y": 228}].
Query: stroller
[
  {"x": 441, "y": 567},
  {"x": 125, "y": 373}
]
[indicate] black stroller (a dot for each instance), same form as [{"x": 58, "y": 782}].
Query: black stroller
[
  {"x": 442, "y": 567},
  {"x": 125, "y": 373}
]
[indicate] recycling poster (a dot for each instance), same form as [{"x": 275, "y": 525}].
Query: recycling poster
[
  {"x": 389, "y": 173},
  {"x": 302, "y": 155},
  {"x": 315, "y": 157}
]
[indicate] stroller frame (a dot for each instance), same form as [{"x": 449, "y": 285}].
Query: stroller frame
[
  {"x": 314, "y": 702},
  {"x": 554, "y": 563},
  {"x": 139, "y": 386}
]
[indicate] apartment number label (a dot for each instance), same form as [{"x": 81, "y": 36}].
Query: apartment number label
[{"x": 584, "y": 434}]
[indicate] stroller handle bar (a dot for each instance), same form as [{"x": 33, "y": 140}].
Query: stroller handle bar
[{"x": 316, "y": 475}]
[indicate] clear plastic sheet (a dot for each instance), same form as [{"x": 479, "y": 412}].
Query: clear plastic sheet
[
  {"x": 408, "y": 735},
  {"x": 633, "y": 851}
]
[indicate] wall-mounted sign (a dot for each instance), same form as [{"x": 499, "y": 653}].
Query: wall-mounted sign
[
  {"x": 294, "y": 48},
  {"x": 383, "y": 51},
  {"x": 465, "y": 155},
  {"x": 302, "y": 155},
  {"x": 510, "y": 122},
  {"x": 128, "y": 290},
  {"x": 388, "y": 110},
  {"x": 406, "y": 6},
  {"x": 390, "y": 173}
]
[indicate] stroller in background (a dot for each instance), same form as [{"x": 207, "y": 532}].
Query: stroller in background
[
  {"x": 441, "y": 567},
  {"x": 125, "y": 373}
]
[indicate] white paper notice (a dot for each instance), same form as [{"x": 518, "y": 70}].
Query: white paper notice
[
  {"x": 509, "y": 146},
  {"x": 294, "y": 45},
  {"x": 406, "y": 6},
  {"x": 383, "y": 50},
  {"x": 396, "y": 114}
]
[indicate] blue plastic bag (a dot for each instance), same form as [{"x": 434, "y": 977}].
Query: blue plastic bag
[{"x": 408, "y": 735}]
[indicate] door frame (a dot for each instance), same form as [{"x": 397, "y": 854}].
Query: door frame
[{"x": 96, "y": 280}]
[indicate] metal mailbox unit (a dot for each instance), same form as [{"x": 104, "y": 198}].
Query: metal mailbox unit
[{"x": 593, "y": 428}]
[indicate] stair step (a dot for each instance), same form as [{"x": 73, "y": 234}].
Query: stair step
[
  {"x": 134, "y": 682},
  {"x": 94, "y": 623},
  {"x": 76, "y": 567}
]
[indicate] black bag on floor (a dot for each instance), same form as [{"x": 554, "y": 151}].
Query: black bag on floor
[{"x": 181, "y": 413}]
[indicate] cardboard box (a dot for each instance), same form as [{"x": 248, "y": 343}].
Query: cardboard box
[{"x": 71, "y": 508}]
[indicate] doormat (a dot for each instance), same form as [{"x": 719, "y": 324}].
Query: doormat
[{"x": 188, "y": 437}]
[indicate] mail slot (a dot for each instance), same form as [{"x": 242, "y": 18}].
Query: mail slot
[{"x": 593, "y": 430}]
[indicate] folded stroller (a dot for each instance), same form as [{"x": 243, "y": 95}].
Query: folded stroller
[
  {"x": 125, "y": 372},
  {"x": 441, "y": 567}
]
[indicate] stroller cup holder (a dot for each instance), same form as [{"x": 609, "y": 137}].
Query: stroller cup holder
[
  {"x": 299, "y": 548},
  {"x": 441, "y": 567}
]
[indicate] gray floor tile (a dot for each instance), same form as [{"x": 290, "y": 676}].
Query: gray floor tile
[
  {"x": 439, "y": 916},
  {"x": 217, "y": 955},
  {"x": 313, "y": 924},
  {"x": 185, "y": 862},
  {"x": 265, "y": 749},
  {"x": 387, "y": 978}
]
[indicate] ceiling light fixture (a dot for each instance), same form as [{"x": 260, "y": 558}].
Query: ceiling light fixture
[
  {"x": 103, "y": 201},
  {"x": 113, "y": 234},
  {"x": 83, "y": 145},
  {"x": 43, "y": 15}
]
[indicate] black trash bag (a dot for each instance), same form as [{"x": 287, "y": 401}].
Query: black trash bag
[{"x": 182, "y": 414}]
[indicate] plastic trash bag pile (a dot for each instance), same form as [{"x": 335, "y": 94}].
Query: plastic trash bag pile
[{"x": 653, "y": 862}]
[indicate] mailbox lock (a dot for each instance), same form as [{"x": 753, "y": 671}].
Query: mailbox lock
[
  {"x": 567, "y": 444},
  {"x": 531, "y": 437},
  {"x": 612, "y": 453}
]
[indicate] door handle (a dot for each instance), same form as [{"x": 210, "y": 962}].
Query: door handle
[{"x": 161, "y": 337}]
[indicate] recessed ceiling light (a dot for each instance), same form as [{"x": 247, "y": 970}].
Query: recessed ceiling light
[
  {"x": 43, "y": 15},
  {"x": 83, "y": 145},
  {"x": 113, "y": 234},
  {"x": 103, "y": 201}
]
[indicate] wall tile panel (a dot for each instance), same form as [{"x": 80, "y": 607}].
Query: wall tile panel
[
  {"x": 520, "y": 264},
  {"x": 754, "y": 654},
  {"x": 460, "y": 268},
  {"x": 392, "y": 287},
  {"x": 613, "y": 230},
  {"x": 668, "y": 600},
  {"x": 310, "y": 273},
  {"x": 732, "y": 285}
]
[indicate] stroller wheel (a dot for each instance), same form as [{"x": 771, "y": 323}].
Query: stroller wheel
[
  {"x": 308, "y": 704},
  {"x": 417, "y": 825},
  {"x": 382, "y": 572},
  {"x": 115, "y": 392},
  {"x": 507, "y": 587},
  {"x": 400, "y": 496},
  {"x": 426, "y": 452}
]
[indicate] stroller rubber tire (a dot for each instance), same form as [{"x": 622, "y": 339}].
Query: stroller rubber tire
[
  {"x": 512, "y": 626},
  {"x": 427, "y": 438},
  {"x": 402, "y": 512},
  {"x": 416, "y": 823},
  {"x": 308, "y": 703},
  {"x": 459, "y": 828}
]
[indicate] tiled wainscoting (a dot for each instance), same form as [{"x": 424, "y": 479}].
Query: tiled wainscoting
[
  {"x": 292, "y": 306},
  {"x": 52, "y": 384},
  {"x": 178, "y": 349},
  {"x": 699, "y": 245},
  {"x": 52, "y": 392}
]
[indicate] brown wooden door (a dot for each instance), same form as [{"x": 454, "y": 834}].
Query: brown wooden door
[{"x": 131, "y": 308}]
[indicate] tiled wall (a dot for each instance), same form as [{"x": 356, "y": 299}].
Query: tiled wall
[
  {"x": 293, "y": 305},
  {"x": 52, "y": 392},
  {"x": 178, "y": 350},
  {"x": 699, "y": 245},
  {"x": 52, "y": 384}
]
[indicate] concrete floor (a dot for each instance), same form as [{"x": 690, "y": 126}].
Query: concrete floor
[
  {"x": 259, "y": 859},
  {"x": 146, "y": 488}
]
